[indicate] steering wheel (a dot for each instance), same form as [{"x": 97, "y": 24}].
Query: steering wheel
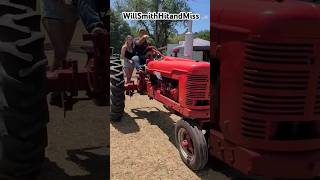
[{"x": 153, "y": 53}]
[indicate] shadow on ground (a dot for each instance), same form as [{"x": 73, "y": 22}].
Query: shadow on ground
[
  {"x": 163, "y": 120},
  {"x": 157, "y": 117},
  {"x": 97, "y": 166},
  {"x": 127, "y": 124}
]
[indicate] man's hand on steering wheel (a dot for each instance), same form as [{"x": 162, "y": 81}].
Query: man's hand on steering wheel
[{"x": 153, "y": 53}]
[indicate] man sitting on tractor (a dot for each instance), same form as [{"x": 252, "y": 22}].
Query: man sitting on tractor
[{"x": 141, "y": 46}]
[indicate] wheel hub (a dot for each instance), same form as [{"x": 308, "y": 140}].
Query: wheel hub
[{"x": 186, "y": 143}]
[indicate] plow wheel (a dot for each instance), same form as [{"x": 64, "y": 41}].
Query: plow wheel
[
  {"x": 23, "y": 106},
  {"x": 191, "y": 144},
  {"x": 117, "y": 96}
]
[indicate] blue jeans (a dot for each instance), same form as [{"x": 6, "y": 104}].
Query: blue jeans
[
  {"x": 136, "y": 61},
  {"x": 88, "y": 11},
  {"x": 55, "y": 9}
]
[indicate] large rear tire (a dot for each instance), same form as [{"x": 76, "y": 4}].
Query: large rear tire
[
  {"x": 23, "y": 105},
  {"x": 117, "y": 96},
  {"x": 192, "y": 145}
]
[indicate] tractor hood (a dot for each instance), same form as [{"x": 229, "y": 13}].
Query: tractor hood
[
  {"x": 170, "y": 65},
  {"x": 267, "y": 18}
]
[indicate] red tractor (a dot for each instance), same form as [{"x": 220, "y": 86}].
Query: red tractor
[
  {"x": 266, "y": 77},
  {"x": 258, "y": 110},
  {"x": 182, "y": 85}
]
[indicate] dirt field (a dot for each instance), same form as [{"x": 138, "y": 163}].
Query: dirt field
[
  {"x": 78, "y": 146},
  {"x": 142, "y": 146}
]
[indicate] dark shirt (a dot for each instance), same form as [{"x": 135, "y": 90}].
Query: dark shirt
[
  {"x": 140, "y": 49},
  {"x": 129, "y": 54}
]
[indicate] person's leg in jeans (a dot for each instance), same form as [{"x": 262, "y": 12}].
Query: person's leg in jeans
[
  {"x": 142, "y": 61},
  {"x": 128, "y": 69},
  {"x": 60, "y": 35},
  {"x": 59, "y": 22},
  {"x": 136, "y": 61},
  {"x": 88, "y": 11}
]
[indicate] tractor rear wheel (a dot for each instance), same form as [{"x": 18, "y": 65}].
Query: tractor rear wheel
[
  {"x": 191, "y": 144},
  {"x": 23, "y": 104},
  {"x": 117, "y": 96}
]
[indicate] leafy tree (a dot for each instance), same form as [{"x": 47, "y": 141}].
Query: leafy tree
[
  {"x": 134, "y": 31},
  {"x": 175, "y": 38},
  {"x": 205, "y": 34},
  {"x": 165, "y": 28},
  {"x": 119, "y": 29}
]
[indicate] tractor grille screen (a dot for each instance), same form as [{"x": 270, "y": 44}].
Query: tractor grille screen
[
  {"x": 253, "y": 128},
  {"x": 276, "y": 79},
  {"x": 196, "y": 88},
  {"x": 278, "y": 53},
  {"x": 273, "y": 105}
]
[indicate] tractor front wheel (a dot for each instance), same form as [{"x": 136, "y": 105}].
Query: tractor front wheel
[
  {"x": 117, "y": 96},
  {"x": 191, "y": 144}
]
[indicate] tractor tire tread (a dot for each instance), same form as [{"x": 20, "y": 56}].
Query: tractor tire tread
[
  {"x": 117, "y": 94},
  {"x": 199, "y": 143},
  {"x": 24, "y": 110}
]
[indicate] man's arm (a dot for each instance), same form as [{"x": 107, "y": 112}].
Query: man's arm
[{"x": 141, "y": 39}]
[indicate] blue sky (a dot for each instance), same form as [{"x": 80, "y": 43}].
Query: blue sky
[{"x": 197, "y": 6}]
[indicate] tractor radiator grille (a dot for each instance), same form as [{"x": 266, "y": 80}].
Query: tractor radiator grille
[
  {"x": 196, "y": 88},
  {"x": 275, "y": 79},
  {"x": 253, "y": 128},
  {"x": 262, "y": 72},
  {"x": 278, "y": 53},
  {"x": 317, "y": 105},
  {"x": 275, "y": 83},
  {"x": 273, "y": 105}
]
